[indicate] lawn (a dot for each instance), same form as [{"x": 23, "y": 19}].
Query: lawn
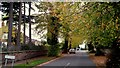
[{"x": 32, "y": 63}]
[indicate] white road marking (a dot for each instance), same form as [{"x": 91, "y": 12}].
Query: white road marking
[{"x": 67, "y": 65}]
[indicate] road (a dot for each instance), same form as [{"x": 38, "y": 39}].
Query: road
[{"x": 78, "y": 60}]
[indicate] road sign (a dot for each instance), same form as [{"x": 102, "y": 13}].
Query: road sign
[
  {"x": 12, "y": 58},
  {"x": 9, "y": 57}
]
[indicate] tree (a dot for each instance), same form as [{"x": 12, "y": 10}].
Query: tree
[
  {"x": 19, "y": 25},
  {"x": 100, "y": 20},
  {"x": 68, "y": 15},
  {"x": 10, "y": 24},
  {"x": 5, "y": 10},
  {"x": 16, "y": 5},
  {"x": 29, "y": 23},
  {"x": 48, "y": 21},
  {"x": 24, "y": 25},
  {"x": 103, "y": 19},
  {"x": 6, "y": 13}
]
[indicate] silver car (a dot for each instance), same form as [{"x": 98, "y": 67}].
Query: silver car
[{"x": 72, "y": 51}]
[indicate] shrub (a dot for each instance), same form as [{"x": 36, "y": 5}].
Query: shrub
[
  {"x": 54, "y": 50},
  {"x": 33, "y": 47},
  {"x": 25, "y": 47}
]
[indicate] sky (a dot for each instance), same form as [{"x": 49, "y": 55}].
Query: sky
[{"x": 35, "y": 11}]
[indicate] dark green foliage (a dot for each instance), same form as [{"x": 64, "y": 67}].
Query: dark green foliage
[
  {"x": 53, "y": 31},
  {"x": 104, "y": 20},
  {"x": 25, "y": 47},
  {"x": 99, "y": 52},
  {"x": 54, "y": 50},
  {"x": 50, "y": 22},
  {"x": 113, "y": 60},
  {"x": 5, "y": 10},
  {"x": 33, "y": 47},
  {"x": 16, "y": 6},
  {"x": 90, "y": 47},
  {"x": 52, "y": 36}
]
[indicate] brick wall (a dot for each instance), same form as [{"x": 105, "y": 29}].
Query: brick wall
[{"x": 22, "y": 55}]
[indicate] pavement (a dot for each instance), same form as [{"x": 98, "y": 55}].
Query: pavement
[{"x": 78, "y": 60}]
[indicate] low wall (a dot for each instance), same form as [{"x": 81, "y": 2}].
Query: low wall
[{"x": 22, "y": 55}]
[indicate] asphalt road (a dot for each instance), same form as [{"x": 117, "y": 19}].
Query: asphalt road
[{"x": 78, "y": 60}]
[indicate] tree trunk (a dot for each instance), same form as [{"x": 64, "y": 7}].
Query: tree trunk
[
  {"x": 29, "y": 23},
  {"x": 10, "y": 24},
  {"x": 19, "y": 25},
  {"x": 65, "y": 46},
  {"x": 24, "y": 38},
  {"x": 70, "y": 43}
]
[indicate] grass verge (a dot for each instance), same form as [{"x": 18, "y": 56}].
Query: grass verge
[{"x": 32, "y": 63}]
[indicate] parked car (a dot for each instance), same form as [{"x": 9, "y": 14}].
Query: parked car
[{"x": 72, "y": 51}]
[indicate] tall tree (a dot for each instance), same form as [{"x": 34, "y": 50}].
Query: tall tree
[
  {"x": 10, "y": 24},
  {"x": 29, "y": 22},
  {"x": 102, "y": 18},
  {"x": 19, "y": 25},
  {"x": 24, "y": 25},
  {"x": 15, "y": 15},
  {"x": 48, "y": 21},
  {"x": 68, "y": 15}
]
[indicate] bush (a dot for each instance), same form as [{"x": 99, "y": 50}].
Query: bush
[
  {"x": 25, "y": 47},
  {"x": 54, "y": 50},
  {"x": 33, "y": 47}
]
